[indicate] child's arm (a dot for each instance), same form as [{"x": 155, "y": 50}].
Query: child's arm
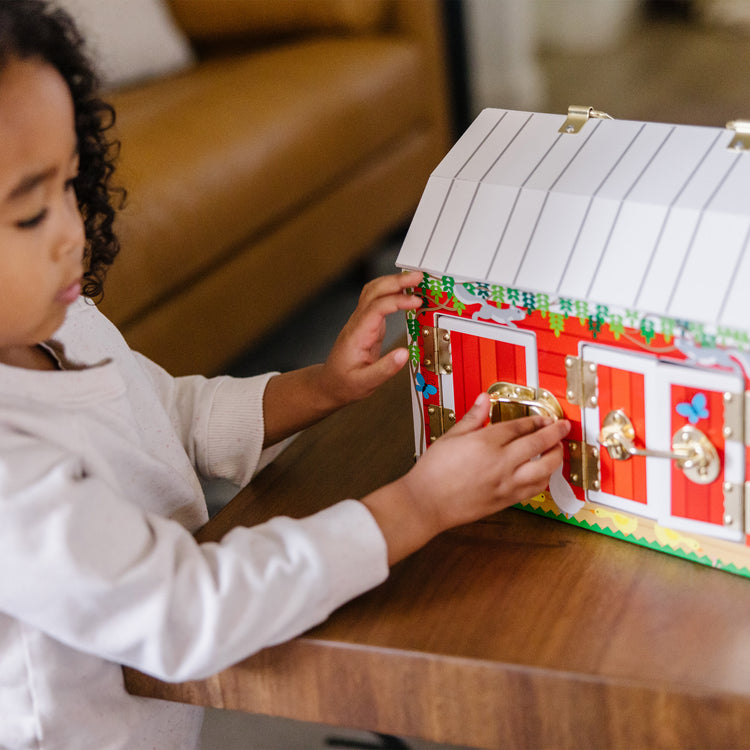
[
  {"x": 470, "y": 472},
  {"x": 354, "y": 368}
]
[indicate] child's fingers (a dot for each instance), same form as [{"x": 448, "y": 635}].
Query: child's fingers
[
  {"x": 392, "y": 284},
  {"x": 537, "y": 472},
  {"x": 515, "y": 430},
  {"x": 385, "y": 304},
  {"x": 533, "y": 438},
  {"x": 374, "y": 375},
  {"x": 369, "y": 320},
  {"x": 475, "y": 418},
  {"x": 386, "y": 294},
  {"x": 387, "y": 366}
]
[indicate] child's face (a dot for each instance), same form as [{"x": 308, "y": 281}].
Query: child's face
[{"x": 41, "y": 229}]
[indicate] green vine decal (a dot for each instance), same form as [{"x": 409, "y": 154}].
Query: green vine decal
[
  {"x": 497, "y": 294},
  {"x": 458, "y": 306},
  {"x": 559, "y": 311},
  {"x": 557, "y": 323},
  {"x": 542, "y": 304},
  {"x": 616, "y": 325}
]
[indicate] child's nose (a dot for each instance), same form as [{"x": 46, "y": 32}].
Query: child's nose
[{"x": 72, "y": 233}]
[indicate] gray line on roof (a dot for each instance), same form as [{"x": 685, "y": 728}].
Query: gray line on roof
[
  {"x": 483, "y": 141},
  {"x": 549, "y": 190},
  {"x": 518, "y": 193},
  {"x": 691, "y": 244},
  {"x": 450, "y": 187},
  {"x": 735, "y": 274},
  {"x": 667, "y": 215},
  {"x": 436, "y": 222},
  {"x": 619, "y": 209},
  {"x": 590, "y": 203}
]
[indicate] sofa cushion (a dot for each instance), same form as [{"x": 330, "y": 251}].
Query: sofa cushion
[
  {"x": 209, "y": 153},
  {"x": 130, "y": 40},
  {"x": 208, "y": 20}
]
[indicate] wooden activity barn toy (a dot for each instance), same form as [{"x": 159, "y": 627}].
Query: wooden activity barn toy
[{"x": 598, "y": 269}]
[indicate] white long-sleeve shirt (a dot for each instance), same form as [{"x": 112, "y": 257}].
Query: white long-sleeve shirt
[{"x": 98, "y": 568}]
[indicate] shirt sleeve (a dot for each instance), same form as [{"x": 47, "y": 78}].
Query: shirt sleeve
[
  {"x": 99, "y": 574},
  {"x": 219, "y": 421}
]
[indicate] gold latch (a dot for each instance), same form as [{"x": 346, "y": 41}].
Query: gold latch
[
  {"x": 578, "y": 116},
  {"x": 581, "y": 382},
  {"x": 441, "y": 420},
  {"x": 436, "y": 352},
  {"x": 693, "y": 453},
  {"x": 585, "y": 468},
  {"x": 511, "y": 401},
  {"x": 741, "y": 140}
]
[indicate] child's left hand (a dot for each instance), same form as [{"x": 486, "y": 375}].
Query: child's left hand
[{"x": 354, "y": 368}]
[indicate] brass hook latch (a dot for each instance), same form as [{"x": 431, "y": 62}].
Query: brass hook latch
[
  {"x": 692, "y": 451},
  {"x": 510, "y": 401},
  {"x": 579, "y": 115},
  {"x": 741, "y": 139}
]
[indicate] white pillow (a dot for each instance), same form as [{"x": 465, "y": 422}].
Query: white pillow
[{"x": 130, "y": 40}]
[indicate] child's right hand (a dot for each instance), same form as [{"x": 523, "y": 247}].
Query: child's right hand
[{"x": 470, "y": 472}]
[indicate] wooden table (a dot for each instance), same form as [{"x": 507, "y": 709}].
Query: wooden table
[{"x": 515, "y": 632}]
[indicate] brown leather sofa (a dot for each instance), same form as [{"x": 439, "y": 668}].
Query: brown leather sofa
[{"x": 304, "y": 135}]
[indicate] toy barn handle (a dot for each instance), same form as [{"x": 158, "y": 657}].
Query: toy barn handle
[
  {"x": 523, "y": 400},
  {"x": 691, "y": 450}
]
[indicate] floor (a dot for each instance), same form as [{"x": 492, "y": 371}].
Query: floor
[{"x": 665, "y": 69}]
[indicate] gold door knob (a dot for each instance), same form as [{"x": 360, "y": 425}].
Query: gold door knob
[{"x": 691, "y": 450}]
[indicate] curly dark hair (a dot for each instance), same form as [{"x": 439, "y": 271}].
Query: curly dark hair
[{"x": 33, "y": 29}]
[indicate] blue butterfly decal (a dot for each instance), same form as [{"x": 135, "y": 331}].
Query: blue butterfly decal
[
  {"x": 695, "y": 409},
  {"x": 423, "y": 388}
]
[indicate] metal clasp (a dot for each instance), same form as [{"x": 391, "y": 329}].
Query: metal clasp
[
  {"x": 511, "y": 401},
  {"x": 579, "y": 115},
  {"x": 741, "y": 140},
  {"x": 691, "y": 450}
]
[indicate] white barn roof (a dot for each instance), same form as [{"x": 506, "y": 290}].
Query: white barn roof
[{"x": 648, "y": 216}]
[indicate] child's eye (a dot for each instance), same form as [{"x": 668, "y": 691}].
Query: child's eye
[{"x": 33, "y": 221}]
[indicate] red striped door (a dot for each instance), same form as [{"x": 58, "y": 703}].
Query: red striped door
[
  {"x": 483, "y": 354},
  {"x": 623, "y": 389},
  {"x": 704, "y": 409},
  {"x": 660, "y": 399}
]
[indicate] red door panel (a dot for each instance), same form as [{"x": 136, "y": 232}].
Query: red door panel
[
  {"x": 622, "y": 389},
  {"x": 480, "y": 362},
  {"x": 700, "y": 502}
]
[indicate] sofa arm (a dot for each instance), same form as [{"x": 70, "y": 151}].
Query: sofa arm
[{"x": 209, "y": 20}]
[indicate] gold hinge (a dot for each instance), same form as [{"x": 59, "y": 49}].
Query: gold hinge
[
  {"x": 745, "y": 398},
  {"x": 585, "y": 471},
  {"x": 734, "y": 500},
  {"x": 578, "y": 116},
  {"x": 441, "y": 420},
  {"x": 581, "y": 382},
  {"x": 735, "y": 410},
  {"x": 741, "y": 139},
  {"x": 436, "y": 352}
]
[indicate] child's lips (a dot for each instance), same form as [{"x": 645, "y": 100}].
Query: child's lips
[{"x": 70, "y": 293}]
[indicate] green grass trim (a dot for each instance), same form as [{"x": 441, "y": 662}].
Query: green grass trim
[{"x": 641, "y": 541}]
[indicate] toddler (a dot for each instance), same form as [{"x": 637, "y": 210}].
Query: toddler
[{"x": 101, "y": 450}]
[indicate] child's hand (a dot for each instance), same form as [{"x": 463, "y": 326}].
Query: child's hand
[
  {"x": 354, "y": 368},
  {"x": 467, "y": 474}
]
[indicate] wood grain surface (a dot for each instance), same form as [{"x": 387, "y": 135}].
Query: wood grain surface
[{"x": 514, "y": 632}]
